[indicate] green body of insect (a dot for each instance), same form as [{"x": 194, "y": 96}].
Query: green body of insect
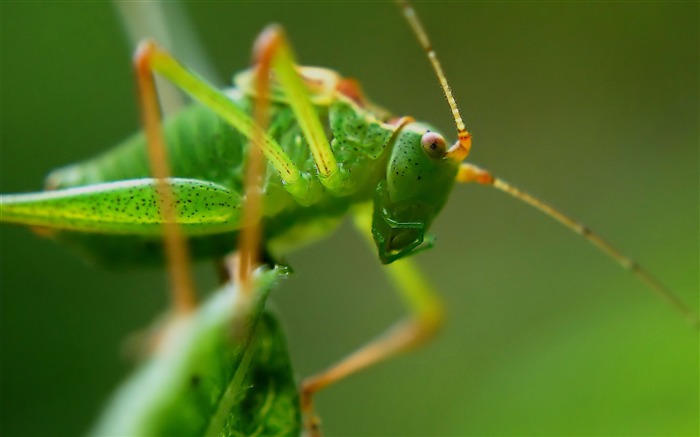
[
  {"x": 407, "y": 178},
  {"x": 109, "y": 206}
]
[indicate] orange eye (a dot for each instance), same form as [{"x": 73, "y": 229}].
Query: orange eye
[{"x": 434, "y": 144}]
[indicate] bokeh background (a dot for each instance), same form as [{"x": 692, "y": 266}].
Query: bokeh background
[{"x": 592, "y": 106}]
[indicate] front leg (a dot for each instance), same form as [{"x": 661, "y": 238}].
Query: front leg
[
  {"x": 273, "y": 52},
  {"x": 425, "y": 318}
]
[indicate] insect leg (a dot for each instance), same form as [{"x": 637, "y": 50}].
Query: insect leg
[
  {"x": 249, "y": 240},
  {"x": 472, "y": 173},
  {"x": 425, "y": 319},
  {"x": 165, "y": 65},
  {"x": 179, "y": 263},
  {"x": 273, "y": 48}
]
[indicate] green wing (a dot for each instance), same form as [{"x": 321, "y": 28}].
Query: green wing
[{"x": 126, "y": 207}]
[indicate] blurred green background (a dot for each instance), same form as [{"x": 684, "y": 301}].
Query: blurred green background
[{"x": 592, "y": 106}]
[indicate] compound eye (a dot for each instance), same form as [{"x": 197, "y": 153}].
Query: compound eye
[{"x": 434, "y": 144}]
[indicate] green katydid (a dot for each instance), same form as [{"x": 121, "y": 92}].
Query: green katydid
[{"x": 398, "y": 230}]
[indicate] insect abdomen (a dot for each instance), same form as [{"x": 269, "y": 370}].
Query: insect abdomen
[{"x": 200, "y": 146}]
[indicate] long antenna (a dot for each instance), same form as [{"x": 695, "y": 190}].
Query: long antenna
[
  {"x": 472, "y": 173},
  {"x": 464, "y": 139}
]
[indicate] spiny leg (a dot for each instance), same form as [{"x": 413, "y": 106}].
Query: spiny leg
[
  {"x": 273, "y": 49},
  {"x": 425, "y": 319},
  {"x": 472, "y": 173},
  {"x": 179, "y": 264},
  {"x": 272, "y": 53},
  {"x": 165, "y": 65}
]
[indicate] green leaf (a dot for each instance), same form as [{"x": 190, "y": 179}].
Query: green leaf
[{"x": 223, "y": 371}]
